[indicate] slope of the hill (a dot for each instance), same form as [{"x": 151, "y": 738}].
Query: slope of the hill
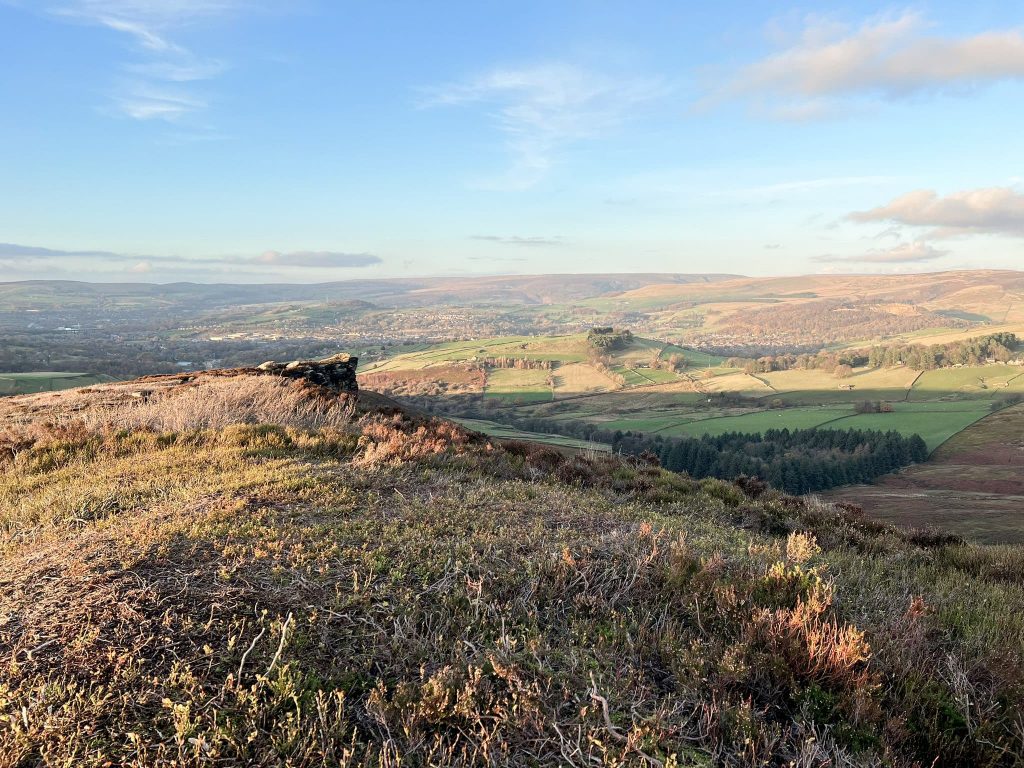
[
  {"x": 973, "y": 484},
  {"x": 363, "y": 586}
]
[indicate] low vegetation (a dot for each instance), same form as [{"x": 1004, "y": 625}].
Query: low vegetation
[{"x": 395, "y": 590}]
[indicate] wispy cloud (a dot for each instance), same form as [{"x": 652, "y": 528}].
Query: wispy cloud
[
  {"x": 905, "y": 253},
  {"x": 808, "y": 185},
  {"x": 891, "y": 57},
  {"x": 528, "y": 242},
  {"x": 164, "y": 85},
  {"x": 542, "y": 109},
  {"x": 8, "y": 250},
  {"x": 332, "y": 259},
  {"x": 991, "y": 211},
  {"x": 147, "y": 102},
  {"x": 144, "y": 263}
]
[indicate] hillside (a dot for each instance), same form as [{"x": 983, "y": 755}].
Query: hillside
[
  {"x": 245, "y": 568},
  {"x": 522, "y": 369},
  {"x": 973, "y": 484}
]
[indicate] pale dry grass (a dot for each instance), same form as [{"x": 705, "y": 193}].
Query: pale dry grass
[{"x": 218, "y": 403}]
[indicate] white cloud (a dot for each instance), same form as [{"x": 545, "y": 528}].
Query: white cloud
[
  {"x": 892, "y": 57},
  {"x": 542, "y": 109},
  {"x": 904, "y": 253},
  {"x": 149, "y": 25},
  {"x": 991, "y": 211}
]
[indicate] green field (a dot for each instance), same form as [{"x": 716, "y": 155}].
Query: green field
[
  {"x": 47, "y": 381},
  {"x": 935, "y": 422},
  {"x": 558, "y": 348},
  {"x": 757, "y": 421},
  {"x": 979, "y": 381},
  {"x": 493, "y": 429},
  {"x": 709, "y": 397},
  {"x": 572, "y": 348},
  {"x": 934, "y": 426}
]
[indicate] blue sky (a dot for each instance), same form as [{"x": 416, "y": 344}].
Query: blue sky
[{"x": 264, "y": 140}]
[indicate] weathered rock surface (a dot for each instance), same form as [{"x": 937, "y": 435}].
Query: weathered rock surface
[{"x": 337, "y": 373}]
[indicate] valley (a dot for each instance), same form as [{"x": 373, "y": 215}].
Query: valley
[{"x": 515, "y": 357}]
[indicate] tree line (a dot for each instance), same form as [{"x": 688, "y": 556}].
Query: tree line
[
  {"x": 796, "y": 461},
  {"x": 996, "y": 346}
]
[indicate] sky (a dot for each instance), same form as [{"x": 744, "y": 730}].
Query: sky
[{"x": 314, "y": 140}]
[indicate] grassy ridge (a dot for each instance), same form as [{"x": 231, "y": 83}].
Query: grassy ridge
[{"x": 400, "y": 591}]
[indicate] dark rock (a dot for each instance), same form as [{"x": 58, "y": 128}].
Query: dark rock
[{"x": 337, "y": 373}]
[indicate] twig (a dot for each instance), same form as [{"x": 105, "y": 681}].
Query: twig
[
  {"x": 246, "y": 654},
  {"x": 280, "y": 646},
  {"x": 612, "y": 729}
]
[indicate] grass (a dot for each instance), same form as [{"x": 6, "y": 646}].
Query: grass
[
  {"x": 977, "y": 381},
  {"x": 396, "y": 590},
  {"x": 502, "y": 381},
  {"x": 925, "y": 423},
  {"x": 46, "y": 381},
  {"x": 576, "y": 378},
  {"x": 894, "y": 381},
  {"x": 805, "y": 391},
  {"x": 504, "y": 432},
  {"x": 631, "y": 377},
  {"x": 558, "y": 348},
  {"x": 757, "y": 421}
]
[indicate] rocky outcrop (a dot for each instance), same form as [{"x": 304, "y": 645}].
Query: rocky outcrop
[{"x": 337, "y": 373}]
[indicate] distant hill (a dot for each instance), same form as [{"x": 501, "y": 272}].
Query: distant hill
[{"x": 530, "y": 289}]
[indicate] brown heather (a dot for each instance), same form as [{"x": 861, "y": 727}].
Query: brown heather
[{"x": 294, "y": 583}]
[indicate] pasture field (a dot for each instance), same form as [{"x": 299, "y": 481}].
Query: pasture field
[
  {"x": 895, "y": 380},
  {"x": 975, "y": 381},
  {"x": 504, "y": 432},
  {"x": 947, "y": 336},
  {"x": 577, "y": 378},
  {"x": 934, "y": 422},
  {"x": 502, "y": 381},
  {"x": 631, "y": 377},
  {"x": 560, "y": 348},
  {"x": 47, "y": 381},
  {"x": 714, "y": 399},
  {"x": 733, "y": 380},
  {"x": 934, "y": 426},
  {"x": 756, "y": 421},
  {"x": 660, "y": 376}
]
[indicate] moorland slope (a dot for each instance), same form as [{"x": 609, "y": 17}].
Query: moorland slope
[{"x": 243, "y": 569}]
